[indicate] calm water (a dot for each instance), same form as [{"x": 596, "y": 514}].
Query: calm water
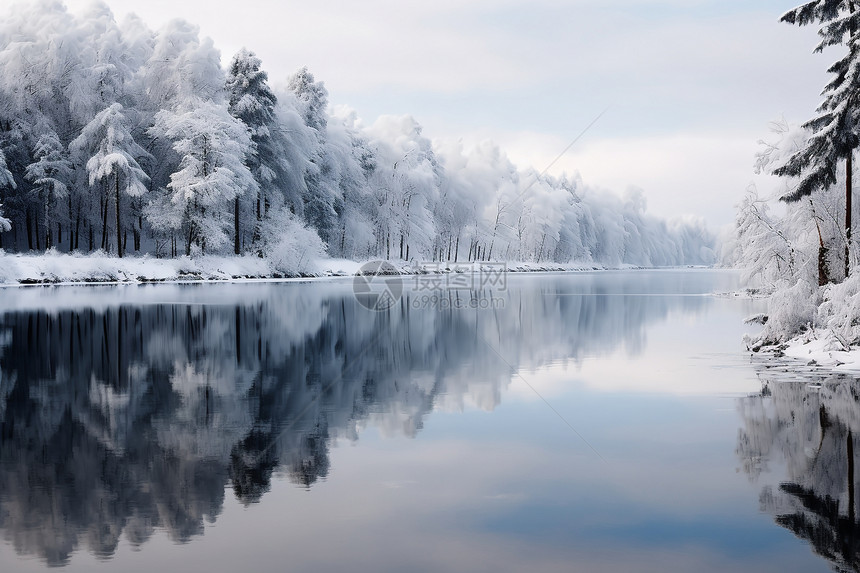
[{"x": 592, "y": 422}]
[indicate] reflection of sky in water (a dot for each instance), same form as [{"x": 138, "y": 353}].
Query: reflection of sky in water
[{"x": 490, "y": 480}]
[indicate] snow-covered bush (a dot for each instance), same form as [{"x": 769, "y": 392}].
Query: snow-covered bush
[
  {"x": 840, "y": 309},
  {"x": 291, "y": 247},
  {"x": 791, "y": 311}
]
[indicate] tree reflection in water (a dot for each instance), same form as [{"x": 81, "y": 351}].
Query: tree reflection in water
[
  {"x": 808, "y": 428},
  {"x": 128, "y": 413}
]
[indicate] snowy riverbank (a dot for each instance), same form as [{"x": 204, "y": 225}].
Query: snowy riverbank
[
  {"x": 62, "y": 268},
  {"x": 826, "y": 350},
  {"x": 817, "y": 325}
]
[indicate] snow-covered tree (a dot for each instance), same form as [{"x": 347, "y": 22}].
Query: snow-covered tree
[
  {"x": 836, "y": 126},
  {"x": 113, "y": 162},
  {"x": 216, "y": 138},
  {"x": 6, "y": 180},
  {"x": 312, "y": 98},
  {"x": 213, "y": 147},
  {"x": 765, "y": 249},
  {"x": 290, "y": 245},
  {"x": 48, "y": 175},
  {"x": 251, "y": 100},
  {"x": 322, "y": 200},
  {"x": 181, "y": 66}
]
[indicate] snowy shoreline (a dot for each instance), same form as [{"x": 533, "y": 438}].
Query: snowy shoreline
[
  {"x": 819, "y": 349},
  {"x": 818, "y": 326},
  {"x": 58, "y": 269}
]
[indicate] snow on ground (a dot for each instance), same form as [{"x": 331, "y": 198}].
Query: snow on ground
[
  {"x": 61, "y": 268},
  {"x": 54, "y": 267},
  {"x": 817, "y": 325},
  {"x": 823, "y": 348}
]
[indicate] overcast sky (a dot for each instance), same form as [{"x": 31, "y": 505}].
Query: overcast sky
[{"x": 690, "y": 85}]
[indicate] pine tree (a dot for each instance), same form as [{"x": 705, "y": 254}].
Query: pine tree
[
  {"x": 251, "y": 100},
  {"x": 49, "y": 174},
  {"x": 6, "y": 180},
  {"x": 323, "y": 199},
  {"x": 312, "y": 97},
  {"x": 835, "y": 126},
  {"x": 213, "y": 146},
  {"x": 114, "y": 158}
]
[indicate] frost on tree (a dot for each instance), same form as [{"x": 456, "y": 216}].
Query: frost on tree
[
  {"x": 112, "y": 163},
  {"x": 213, "y": 146},
  {"x": 322, "y": 200},
  {"x": 834, "y": 128},
  {"x": 252, "y": 101},
  {"x": 48, "y": 175},
  {"x": 290, "y": 161},
  {"x": 6, "y": 180}
]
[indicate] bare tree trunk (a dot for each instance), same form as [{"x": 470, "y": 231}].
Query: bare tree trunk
[
  {"x": 38, "y": 242},
  {"x": 29, "y": 229},
  {"x": 849, "y": 170},
  {"x": 850, "y": 453},
  {"x": 119, "y": 244},
  {"x": 47, "y": 222},
  {"x": 139, "y": 230},
  {"x": 848, "y": 208},
  {"x": 77, "y": 225},
  {"x": 237, "y": 247},
  {"x": 104, "y": 222}
]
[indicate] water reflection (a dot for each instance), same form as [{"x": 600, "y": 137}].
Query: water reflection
[
  {"x": 801, "y": 431},
  {"x": 126, "y": 411}
]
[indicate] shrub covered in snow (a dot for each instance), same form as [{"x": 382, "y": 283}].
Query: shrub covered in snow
[{"x": 291, "y": 247}]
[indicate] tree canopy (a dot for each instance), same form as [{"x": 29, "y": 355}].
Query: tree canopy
[{"x": 111, "y": 131}]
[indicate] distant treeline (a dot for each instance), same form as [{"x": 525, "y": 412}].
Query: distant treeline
[{"x": 119, "y": 138}]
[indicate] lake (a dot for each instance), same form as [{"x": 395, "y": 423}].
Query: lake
[{"x": 606, "y": 421}]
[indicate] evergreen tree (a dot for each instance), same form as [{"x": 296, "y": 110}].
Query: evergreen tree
[
  {"x": 312, "y": 97},
  {"x": 835, "y": 126},
  {"x": 6, "y": 180},
  {"x": 213, "y": 146},
  {"x": 114, "y": 159},
  {"x": 323, "y": 199},
  {"x": 251, "y": 100},
  {"x": 48, "y": 175}
]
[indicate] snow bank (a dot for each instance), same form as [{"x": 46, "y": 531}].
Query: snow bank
[
  {"x": 825, "y": 349},
  {"x": 819, "y": 325},
  {"x": 54, "y": 267},
  {"x": 61, "y": 268}
]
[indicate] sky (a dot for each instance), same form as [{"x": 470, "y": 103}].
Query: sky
[{"x": 686, "y": 88}]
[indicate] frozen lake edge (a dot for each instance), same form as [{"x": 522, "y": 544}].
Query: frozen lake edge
[{"x": 58, "y": 269}]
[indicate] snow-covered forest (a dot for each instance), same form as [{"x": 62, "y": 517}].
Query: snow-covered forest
[
  {"x": 121, "y": 139},
  {"x": 796, "y": 242}
]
